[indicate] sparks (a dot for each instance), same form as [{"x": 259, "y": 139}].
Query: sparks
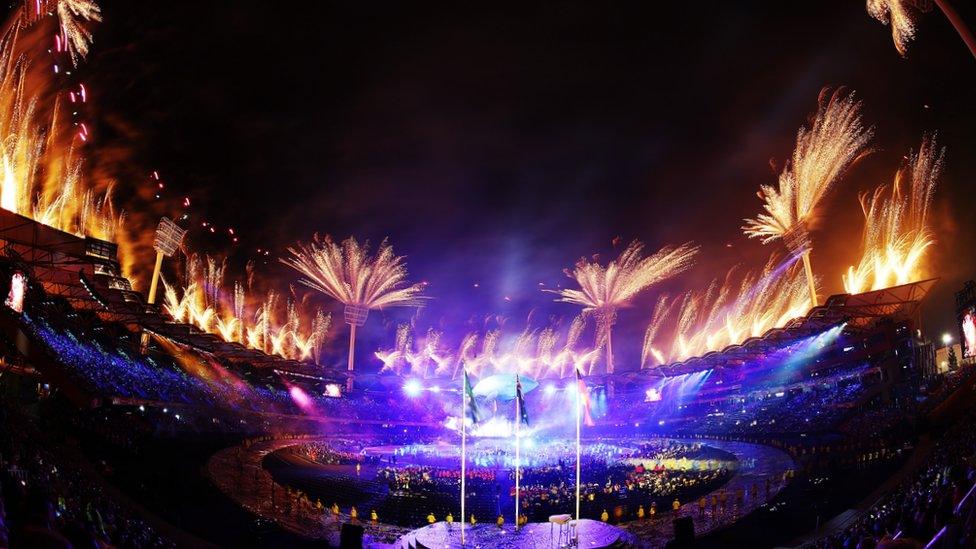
[
  {"x": 267, "y": 323},
  {"x": 76, "y": 38},
  {"x": 603, "y": 290},
  {"x": 897, "y": 232},
  {"x": 726, "y": 312},
  {"x": 538, "y": 353},
  {"x": 898, "y": 14},
  {"x": 348, "y": 273},
  {"x": 43, "y": 175},
  {"x": 834, "y": 141}
]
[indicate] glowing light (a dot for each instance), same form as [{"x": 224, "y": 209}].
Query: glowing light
[
  {"x": 550, "y": 389},
  {"x": 300, "y": 397},
  {"x": 969, "y": 334},
  {"x": 412, "y": 388},
  {"x": 653, "y": 395},
  {"x": 946, "y": 339},
  {"x": 15, "y": 298}
]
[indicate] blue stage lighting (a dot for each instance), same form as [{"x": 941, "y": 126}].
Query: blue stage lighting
[{"x": 412, "y": 388}]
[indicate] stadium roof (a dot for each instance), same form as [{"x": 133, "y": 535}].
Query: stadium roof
[{"x": 859, "y": 311}]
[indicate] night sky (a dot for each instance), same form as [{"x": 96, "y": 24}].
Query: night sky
[{"x": 496, "y": 145}]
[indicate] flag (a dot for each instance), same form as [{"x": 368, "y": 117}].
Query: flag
[
  {"x": 469, "y": 396},
  {"x": 584, "y": 398},
  {"x": 521, "y": 401}
]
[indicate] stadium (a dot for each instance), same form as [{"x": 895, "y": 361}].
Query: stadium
[{"x": 656, "y": 396}]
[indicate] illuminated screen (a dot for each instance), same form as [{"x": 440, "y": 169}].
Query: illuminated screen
[
  {"x": 15, "y": 298},
  {"x": 969, "y": 333}
]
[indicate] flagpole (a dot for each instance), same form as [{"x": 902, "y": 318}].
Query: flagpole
[
  {"x": 579, "y": 396},
  {"x": 518, "y": 473},
  {"x": 464, "y": 439}
]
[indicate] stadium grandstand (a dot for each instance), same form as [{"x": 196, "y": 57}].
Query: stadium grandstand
[{"x": 872, "y": 437}]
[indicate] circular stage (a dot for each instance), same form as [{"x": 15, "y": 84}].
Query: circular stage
[
  {"x": 592, "y": 535},
  {"x": 405, "y": 484}
]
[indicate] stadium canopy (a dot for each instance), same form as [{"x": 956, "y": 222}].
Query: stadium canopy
[{"x": 858, "y": 311}]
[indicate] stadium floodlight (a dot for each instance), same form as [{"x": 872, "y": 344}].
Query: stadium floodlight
[
  {"x": 168, "y": 239},
  {"x": 412, "y": 388}
]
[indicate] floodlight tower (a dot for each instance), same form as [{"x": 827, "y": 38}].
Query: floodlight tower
[
  {"x": 355, "y": 316},
  {"x": 797, "y": 242},
  {"x": 169, "y": 238}
]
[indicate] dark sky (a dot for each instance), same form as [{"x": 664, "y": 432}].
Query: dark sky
[{"x": 498, "y": 144}]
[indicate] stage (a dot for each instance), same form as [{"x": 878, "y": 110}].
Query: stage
[
  {"x": 251, "y": 486},
  {"x": 592, "y": 535}
]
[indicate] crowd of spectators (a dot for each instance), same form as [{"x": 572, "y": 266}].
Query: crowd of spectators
[
  {"x": 47, "y": 499},
  {"x": 108, "y": 365},
  {"x": 921, "y": 505},
  {"x": 808, "y": 407}
]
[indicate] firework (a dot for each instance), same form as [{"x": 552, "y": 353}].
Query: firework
[
  {"x": 725, "y": 313},
  {"x": 897, "y": 233},
  {"x": 268, "y": 324},
  {"x": 43, "y": 174},
  {"x": 898, "y": 14},
  {"x": 538, "y": 353},
  {"x": 832, "y": 143},
  {"x": 74, "y": 36},
  {"x": 348, "y": 273},
  {"x": 603, "y": 290}
]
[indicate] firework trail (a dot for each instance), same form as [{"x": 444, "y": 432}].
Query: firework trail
[
  {"x": 348, "y": 273},
  {"x": 603, "y": 290},
  {"x": 897, "y": 233},
  {"x": 835, "y": 139},
  {"x": 725, "y": 313}
]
